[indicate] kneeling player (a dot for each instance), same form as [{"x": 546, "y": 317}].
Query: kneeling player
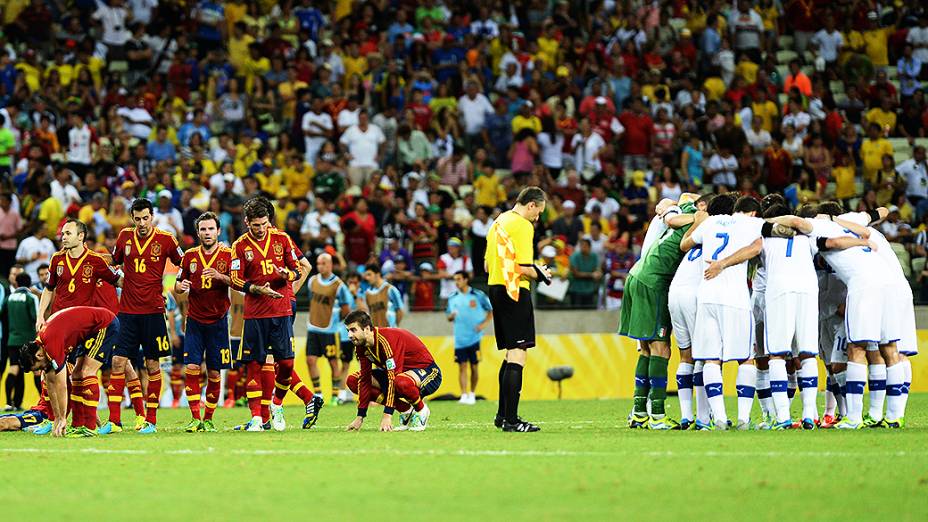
[
  {"x": 403, "y": 368},
  {"x": 91, "y": 333}
]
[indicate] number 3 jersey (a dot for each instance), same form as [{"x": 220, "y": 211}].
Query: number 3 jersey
[
  {"x": 143, "y": 260},
  {"x": 75, "y": 280},
  {"x": 208, "y": 301},
  {"x": 720, "y": 237}
]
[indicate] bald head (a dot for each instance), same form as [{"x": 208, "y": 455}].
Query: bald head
[{"x": 324, "y": 264}]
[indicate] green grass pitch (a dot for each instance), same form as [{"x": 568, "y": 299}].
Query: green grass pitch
[{"x": 583, "y": 464}]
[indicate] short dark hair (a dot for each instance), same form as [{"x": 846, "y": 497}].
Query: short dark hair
[
  {"x": 373, "y": 267},
  {"x": 831, "y": 208},
  {"x": 721, "y": 204},
  {"x": 531, "y": 195},
  {"x": 808, "y": 210},
  {"x": 23, "y": 280},
  {"x": 464, "y": 274},
  {"x": 206, "y": 216},
  {"x": 256, "y": 207},
  {"x": 776, "y": 210},
  {"x": 28, "y": 353},
  {"x": 141, "y": 204},
  {"x": 360, "y": 318},
  {"x": 705, "y": 198},
  {"x": 43, "y": 266},
  {"x": 81, "y": 226},
  {"x": 747, "y": 204},
  {"x": 771, "y": 200}
]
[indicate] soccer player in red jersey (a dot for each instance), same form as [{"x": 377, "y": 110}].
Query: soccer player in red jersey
[
  {"x": 263, "y": 262},
  {"x": 397, "y": 370},
  {"x": 33, "y": 419},
  {"x": 91, "y": 333},
  {"x": 143, "y": 252},
  {"x": 204, "y": 273}
]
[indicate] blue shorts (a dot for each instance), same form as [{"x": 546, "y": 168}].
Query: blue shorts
[
  {"x": 347, "y": 351},
  {"x": 28, "y": 418},
  {"x": 321, "y": 344},
  {"x": 177, "y": 354},
  {"x": 236, "y": 351},
  {"x": 147, "y": 331},
  {"x": 101, "y": 345},
  {"x": 267, "y": 336},
  {"x": 467, "y": 354},
  {"x": 211, "y": 340},
  {"x": 429, "y": 378}
]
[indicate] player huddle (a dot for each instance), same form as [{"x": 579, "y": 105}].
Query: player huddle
[
  {"x": 90, "y": 329},
  {"x": 825, "y": 283}
]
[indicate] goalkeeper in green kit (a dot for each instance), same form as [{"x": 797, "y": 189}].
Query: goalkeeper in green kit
[{"x": 645, "y": 314}]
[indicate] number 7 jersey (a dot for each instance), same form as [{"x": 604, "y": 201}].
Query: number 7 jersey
[
  {"x": 720, "y": 237},
  {"x": 208, "y": 301}
]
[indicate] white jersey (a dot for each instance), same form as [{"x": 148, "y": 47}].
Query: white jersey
[
  {"x": 689, "y": 271},
  {"x": 720, "y": 237},
  {"x": 656, "y": 229},
  {"x": 858, "y": 266},
  {"x": 789, "y": 265}
]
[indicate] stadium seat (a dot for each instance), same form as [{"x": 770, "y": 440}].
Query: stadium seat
[
  {"x": 785, "y": 55},
  {"x": 785, "y": 41},
  {"x": 782, "y": 70},
  {"x": 840, "y": 98},
  {"x": 904, "y": 258},
  {"x": 900, "y": 144},
  {"x": 836, "y": 87},
  {"x": 918, "y": 264},
  {"x": 678, "y": 23}
]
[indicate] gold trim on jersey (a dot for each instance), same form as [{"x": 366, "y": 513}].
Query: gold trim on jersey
[
  {"x": 73, "y": 269},
  {"x": 140, "y": 249},
  {"x": 267, "y": 243},
  {"x": 212, "y": 259}
]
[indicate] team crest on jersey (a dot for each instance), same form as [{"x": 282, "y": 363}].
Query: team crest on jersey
[
  {"x": 156, "y": 250},
  {"x": 249, "y": 255},
  {"x": 661, "y": 331},
  {"x": 193, "y": 267},
  {"x": 60, "y": 270},
  {"x": 221, "y": 266},
  {"x": 88, "y": 271},
  {"x": 128, "y": 248},
  {"x": 278, "y": 249}
]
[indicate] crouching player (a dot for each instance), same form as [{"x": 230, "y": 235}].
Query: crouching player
[
  {"x": 89, "y": 332},
  {"x": 403, "y": 368}
]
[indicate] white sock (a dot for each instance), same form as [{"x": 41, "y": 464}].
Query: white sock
[
  {"x": 808, "y": 388},
  {"x": 778, "y": 386},
  {"x": 792, "y": 383},
  {"x": 746, "y": 384},
  {"x": 831, "y": 403},
  {"x": 906, "y": 382},
  {"x": 895, "y": 376},
  {"x": 856, "y": 379},
  {"x": 763, "y": 393},
  {"x": 685, "y": 390},
  {"x": 699, "y": 393},
  {"x": 876, "y": 382},
  {"x": 841, "y": 383},
  {"x": 712, "y": 377}
]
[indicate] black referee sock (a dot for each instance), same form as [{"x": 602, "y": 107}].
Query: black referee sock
[
  {"x": 501, "y": 411},
  {"x": 513, "y": 385}
]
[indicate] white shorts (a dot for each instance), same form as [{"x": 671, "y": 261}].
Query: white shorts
[
  {"x": 903, "y": 310},
  {"x": 868, "y": 316},
  {"x": 839, "y": 348},
  {"x": 682, "y": 305},
  {"x": 827, "y": 331},
  {"x": 723, "y": 333},
  {"x": 791, "y": 324}
]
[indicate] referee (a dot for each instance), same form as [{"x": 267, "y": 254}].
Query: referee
[{"x": 509, "y": 261}]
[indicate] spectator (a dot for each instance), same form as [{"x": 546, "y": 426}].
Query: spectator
[
  {"x": 364, "y": 144},
  {"x": 568, "y": 225},
  {"x": 636, "y": 143},
  {"x": 584, "y": 276},
  {"x": 35, "y": 250},
  {"x": 452, "y": 262},
  {"x": 10, "y": 225}
]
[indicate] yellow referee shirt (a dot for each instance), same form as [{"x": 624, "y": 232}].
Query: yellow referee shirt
[{"x": 521, "y": 232}]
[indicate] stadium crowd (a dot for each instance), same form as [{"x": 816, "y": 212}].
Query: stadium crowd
[{"x": 396, "y": 131}]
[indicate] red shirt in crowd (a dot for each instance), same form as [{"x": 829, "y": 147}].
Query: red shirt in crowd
[{"x": 638, "y": 129}]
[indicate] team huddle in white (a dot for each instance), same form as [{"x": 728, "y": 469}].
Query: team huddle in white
[{"x": 826, "y": 284}]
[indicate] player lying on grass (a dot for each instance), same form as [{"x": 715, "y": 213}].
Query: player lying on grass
[
  {"x": 403, "y": 368},
  {"x": 91, "y": 333},
  {"x": 35, "y": 419}
]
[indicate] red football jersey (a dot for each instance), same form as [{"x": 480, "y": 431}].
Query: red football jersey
[
  {"x": 106, "y": 297},
  {"x": 395, "y": 350},
  {"x": 75, "y": 280},
  {"x": 288, "y": 294},
  {"x": 143, "y": 261},
  {"x": 70, "y": 326},
  {"x": 256, "y": 262},
  {"x": 208, "y": 301}
]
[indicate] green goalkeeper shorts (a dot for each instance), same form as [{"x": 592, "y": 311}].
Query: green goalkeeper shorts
[{"x": 645, "y": 315}]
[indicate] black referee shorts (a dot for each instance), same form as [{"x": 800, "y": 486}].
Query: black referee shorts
[{"x": 513, "y": 321}]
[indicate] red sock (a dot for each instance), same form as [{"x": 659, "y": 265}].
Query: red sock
[
  {"x": 231, "y": 380},
  {"x": 407, "y": 390},
  {"x": 253, "y": 388},
  {"x": 135, "y": 396},
  {"x": 300, "y": 389},
  {"x": 153, "y": 397},
  {"x": 91, "y": 394},
  {"x": 213, "y": 386},
  {"x": 283, "y": 379},
  {"x": 267, "y": 390},
  {"x": 192, "y": 389},
  {"x": 177, "y": 382},
  {"x": 114, "y": 396},
  {"x": 352, "y": 382},
  {"x": 77, "y": 404}
]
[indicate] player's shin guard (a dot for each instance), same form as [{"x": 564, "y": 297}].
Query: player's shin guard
[
  {"x": 114, "y": 396},
  {"x": 856, "y": 378},
  {"x": 177, "y": 383},
  {"x": 192, "y": 389},
  {"x": 808, "y": 388},
  {"x": 895, "y": 377},
  {"x": 831, "y": 393},
  {"x": 90, "y": 392},
  {"x": 299, "y": 388},
  {"x": 642, "y": 385},
  {"x": 876, "y": 384},
  {"x": 282, "y": 382},
  {"x": 779, "y": 388},
  {"x": 512, "y": 386},
  {"x": 153, "y": 397},
  {"x": 657, "y": 381},
  {"x": 699, "y": 393},
  {"x": 135, "y": 396},
  {"x": 712, "y": 377},
  {"x": 77, "y": 402},
  {"x": 407, "y": 390},
  {"x": 764, "y": 396},
  {"x": 253, "y": 388},
  {"x": 745, "y": 385},
  {"x": 685, "y": 390},
  {"x": 213, "y": 387},
  {"x": 841, "y": 388},
  {"x": 267, "y": 390}
]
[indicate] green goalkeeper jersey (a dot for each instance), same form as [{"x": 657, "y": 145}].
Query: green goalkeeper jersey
[{"x": 658, "y": 265}]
